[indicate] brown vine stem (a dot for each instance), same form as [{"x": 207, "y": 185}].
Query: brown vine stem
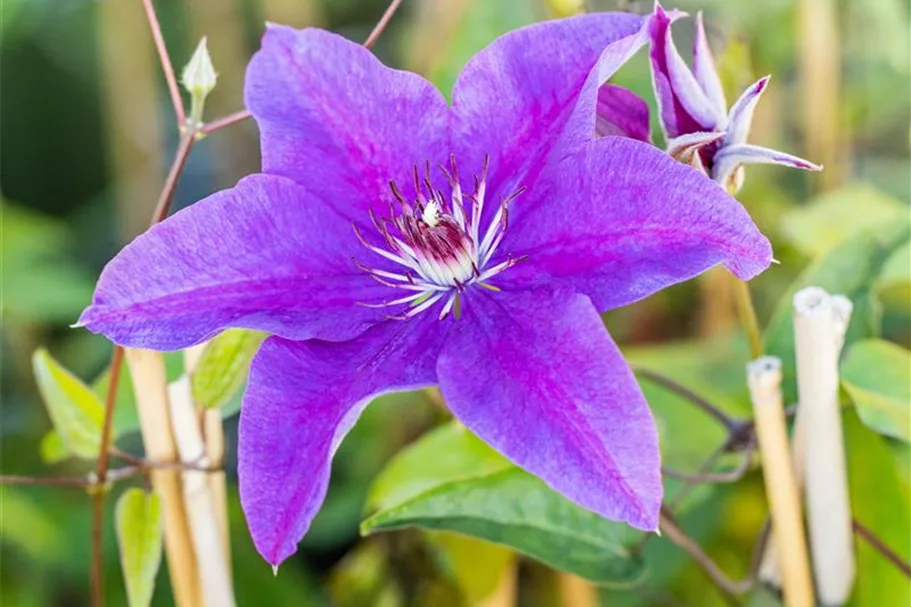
[
  {"x": 101, "y": 473},
  {"x": 711, "y": 409},
  {"x": 728, "y": 587},
  {"x": 220, "y": 123},
  {"x": 382, "y": 23},
  {"x": 881, "y": 547},
  {"x": 731, "y": 476},
  {"x": 165, "y": 60}
]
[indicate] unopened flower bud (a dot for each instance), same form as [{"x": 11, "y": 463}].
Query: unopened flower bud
[{"x": 199, "y": 79}]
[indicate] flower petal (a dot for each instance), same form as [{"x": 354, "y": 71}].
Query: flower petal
[
  {"x": 301, "y": 400},
  {"x": 682, "y": 104},
  {"x": 622, "y": 113},
  {"x": 536, "y": 375},
  {"x": 332, "y": 117},
  {"x": 705, "y": 71},
  {"x": 264, "y": 255},
  {"x": 620, "y": 220},
  {"x": 730, "y": 157},
  {"x": 741, "y": 117},
  {"x": 514, "y": 98},
  {"x": 686, "y": 148}
]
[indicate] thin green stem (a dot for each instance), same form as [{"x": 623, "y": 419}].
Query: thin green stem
[{"x": 747, "y": 313}]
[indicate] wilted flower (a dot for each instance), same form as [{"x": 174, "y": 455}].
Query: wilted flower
[
  {"x": 694, "y": 113},
  {"x": 394, "y": 242}
]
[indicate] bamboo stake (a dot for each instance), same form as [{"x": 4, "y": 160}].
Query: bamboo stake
[
  {"x": 818, "y": 341},
  {"x": 841, "y": 307},
  {"x": 207, "y": 541},
  {"x": 576, "y": 591},
  {"x": 819, "y": 68},
  {"x": 764, "y": 381},
  {"x": 149, "y": 382},
  {"x": 214, "y": 440},
  {"x": 214, "y": 434}
]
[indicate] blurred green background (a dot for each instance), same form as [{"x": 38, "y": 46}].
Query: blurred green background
[{"x": 86, "y": 133}]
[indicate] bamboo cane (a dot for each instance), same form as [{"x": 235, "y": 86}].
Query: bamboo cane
[
  {"x": 150, "y": 385},
  {"x": 818, "y": 341},
  {"x": 841, "y": 307},
  {"x": 207, "y": 541},
  {"x": 764, "y": 381}
]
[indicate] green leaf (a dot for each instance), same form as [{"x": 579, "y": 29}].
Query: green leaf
[
  {"x": 138, "y": 526},
  {"x": 894, "y": 283},
  {"x": 850, "y": 269},
  {"x": 75, "y": 410},
  {"x": 224, "y": 365},
  {"x": 897, "y": 269},
  {"x": 53, "y": 451},
  {"x": 876, "y": 375},
  {"x": 835, "y": 216},
  {"x": 880, "y": 500},
  {"x": 450, "y": 480}
]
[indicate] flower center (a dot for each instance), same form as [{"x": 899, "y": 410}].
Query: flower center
[{"x": 436, "y": 242}]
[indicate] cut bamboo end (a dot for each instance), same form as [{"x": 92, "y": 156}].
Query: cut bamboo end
[
  {"x": 764, "y": 381},
  {"x": 820, "y": 322},
  {"x": 150, "y": 386},
  {"x": 207, "y": 539}
]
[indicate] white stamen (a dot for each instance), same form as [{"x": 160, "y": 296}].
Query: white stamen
[
  {"x": 431, "y": 214},
  {"x": 441, "y": 245}
]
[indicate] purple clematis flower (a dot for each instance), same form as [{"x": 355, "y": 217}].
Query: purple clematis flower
[
  {"x": 395, "y": 242},
  {"x": 694, "y": 113}
]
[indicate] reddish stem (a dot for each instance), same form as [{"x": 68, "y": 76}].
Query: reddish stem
[
  {"x": 165, "y": 60},
  {"x": 101, "y": 472},
  {"x": 163, "y": 206},
  {"x": 881, "y": 547},
  {"x": 382, "y": 23},
  {"x": 225, "y": 121}
]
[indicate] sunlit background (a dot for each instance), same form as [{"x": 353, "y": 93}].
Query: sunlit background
[{"x": 86, "y": 132}]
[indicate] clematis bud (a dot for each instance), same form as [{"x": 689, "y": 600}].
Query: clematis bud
[
  {"x": 199, "y": 79},
  {"x": 699, "y": 128}
]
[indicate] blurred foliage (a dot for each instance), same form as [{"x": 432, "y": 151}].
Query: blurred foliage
[
  {"x": 222, "y": 370},
  {"x": 75, "y": 178},
  {"x": 877, "y": 376}
]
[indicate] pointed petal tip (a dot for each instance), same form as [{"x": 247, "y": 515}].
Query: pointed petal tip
[
  {"x": 85, "y": 319},
  {"x": 274, "y": 570}
]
